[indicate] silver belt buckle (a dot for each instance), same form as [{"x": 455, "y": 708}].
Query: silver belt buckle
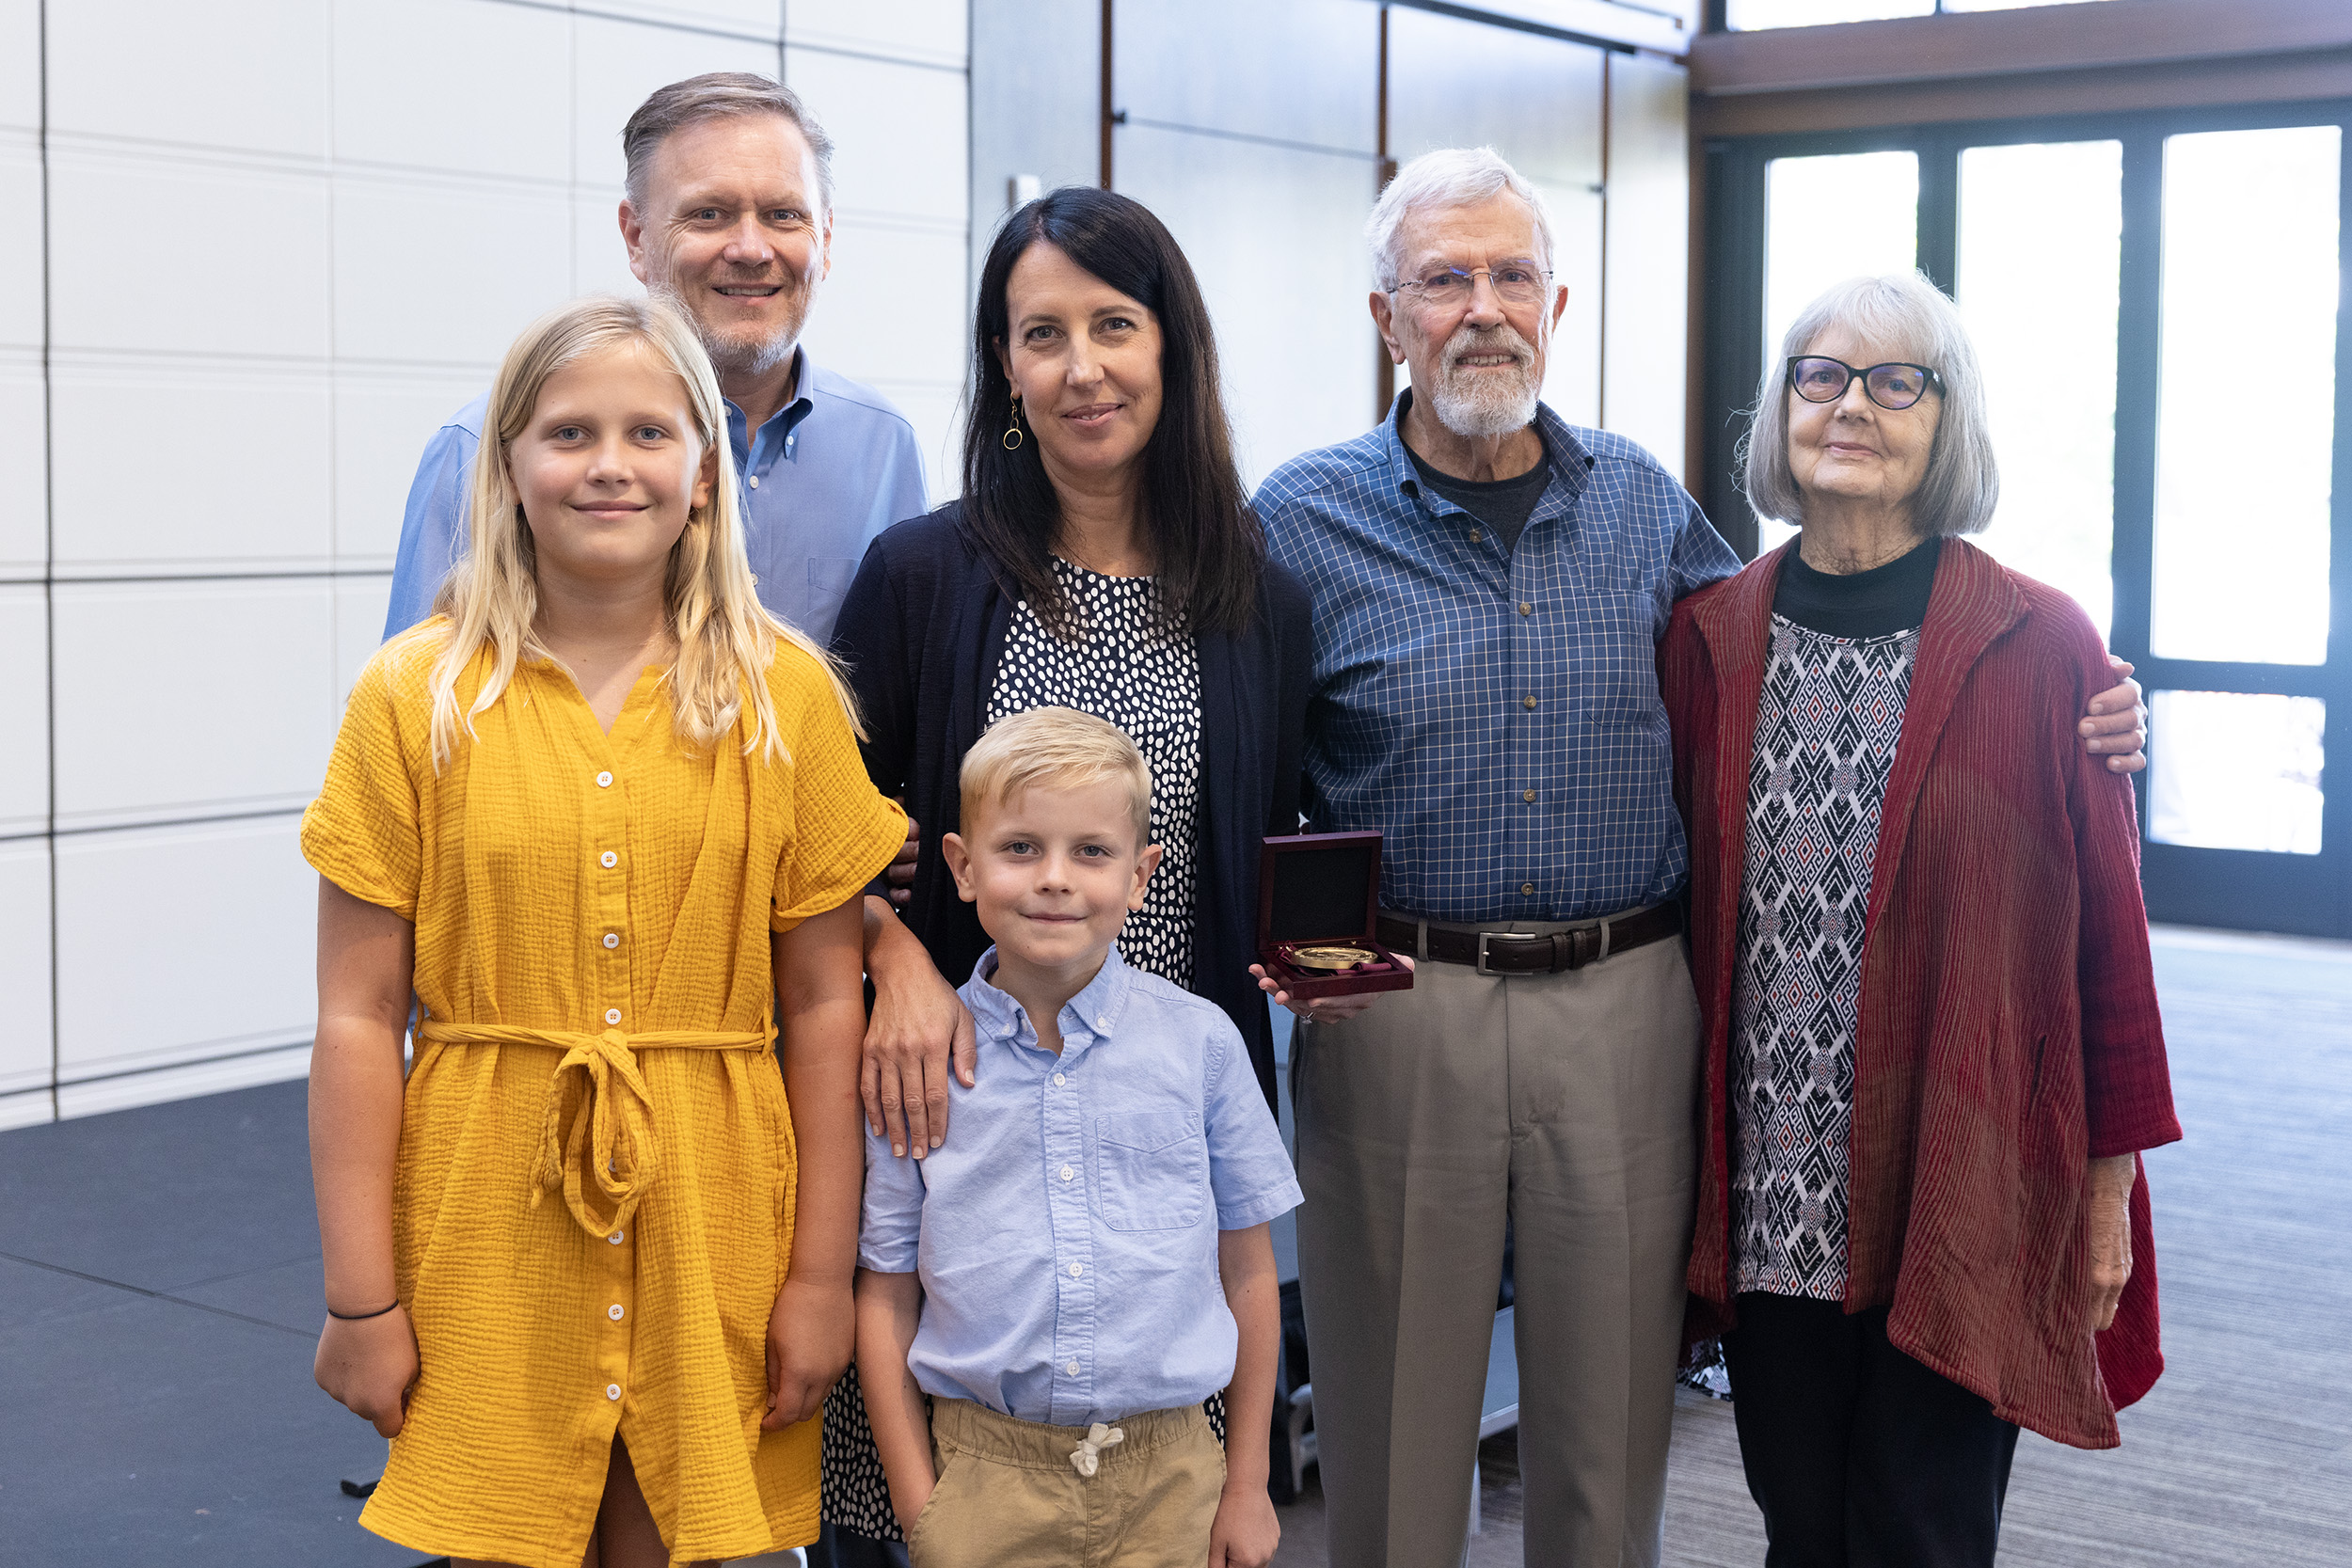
[{"x": 1483, "y": 936}]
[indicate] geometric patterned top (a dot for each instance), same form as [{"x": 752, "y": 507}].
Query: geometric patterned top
[{"x": 1830, "y": 712}]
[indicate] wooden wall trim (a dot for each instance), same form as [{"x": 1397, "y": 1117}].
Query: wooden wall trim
[
  {"x": 2120, "y": 33},
  {"x": 2257, "y": 79}
]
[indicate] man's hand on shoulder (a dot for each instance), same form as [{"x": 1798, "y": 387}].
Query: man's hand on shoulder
[{"x": 2115, "y": 726}]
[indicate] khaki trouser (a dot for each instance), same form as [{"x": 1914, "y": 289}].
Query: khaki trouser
[
  {"x": 1008, "y": 1492},
  {"x": 1567, "y": 1104}
]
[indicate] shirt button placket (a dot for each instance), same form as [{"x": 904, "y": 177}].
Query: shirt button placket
[
  {"x": 605, "y": 913},
  {"x": 608, "y": 905},
  {"x": 1073, "y": 1252}
]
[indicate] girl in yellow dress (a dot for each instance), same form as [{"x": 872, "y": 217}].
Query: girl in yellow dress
[{"x": 589, "y": 1265}]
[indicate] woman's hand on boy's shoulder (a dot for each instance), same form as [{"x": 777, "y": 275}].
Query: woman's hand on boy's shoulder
[
  {"x": 1246, "y": 1531},
  {"x": 368, "y": 1365}
]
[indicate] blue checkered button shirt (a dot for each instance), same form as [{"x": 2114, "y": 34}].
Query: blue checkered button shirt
[{"x": 1495, "y": 715}]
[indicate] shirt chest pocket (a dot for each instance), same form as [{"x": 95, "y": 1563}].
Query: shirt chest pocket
[{"x": 1151, "y": 1171}]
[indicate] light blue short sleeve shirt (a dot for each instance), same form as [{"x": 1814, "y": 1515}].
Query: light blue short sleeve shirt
[
  {"x": 1066, "y": 1233},
  {"x": 829, "y": 471}
]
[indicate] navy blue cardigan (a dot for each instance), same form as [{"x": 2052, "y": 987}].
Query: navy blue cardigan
[{"x": 921, "y": 631}]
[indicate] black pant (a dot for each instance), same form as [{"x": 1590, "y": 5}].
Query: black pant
[{"x": 1859, "y": 1456}]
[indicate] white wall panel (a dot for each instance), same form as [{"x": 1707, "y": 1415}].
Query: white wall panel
[
  {"x": 1648, "y": 260},
  {"x": 1455, "y": 83},
  {"x": 1298, "y": 354},
  {"x": 168, "y": 502},
  {"x": 620, "y": 63},
  {"x": 1572, "y": 369},
  {"x": 443, "y": 273},
  {"x": 898, "y": 131},
  {"x": 1304, "y": 71},
  {"x": 24, "y": 457},
  {"x": 27, "y": 1043},
  {"x": 892, "y": 308},
  {"x": 179, "y": 944},
  {"x": 225, "y": 291},
  {"x": 599, "y": 258},
  {"x": 755, "y": 19},
  {"x": 936, "y": 31},
  {"x": 155, "y": 1087},
  {"x": 191, "y": 699},
  {"x": 455, "y": 84},
  {"x": 935, "y": 409},
  {"x": 360, "y": 604},
  {"x": 20, "y": 239},
  {"x": 24, "y": 721},
  {"x": 383, "y": 420},
  {"x": 170, "y": 71},
  {"x": 20, "y": 64}
]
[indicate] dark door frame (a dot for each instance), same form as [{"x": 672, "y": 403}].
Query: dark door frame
[{"x": 2309, "y": 894}]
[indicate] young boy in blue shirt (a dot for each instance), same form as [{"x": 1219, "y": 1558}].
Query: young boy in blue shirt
[{"x": 1044, "y": 1302}]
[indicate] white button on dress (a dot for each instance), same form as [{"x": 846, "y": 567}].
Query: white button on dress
[
  {"x": 604, "y": 781},
  {"x": 613, "y": 1390},
  {"x": 613, "y": 1311},
  {"x": 612, "y": 939},
  {"x": 612, "y": 1014},
  {"x": 609, "y": 860},
  {"x": 616, "y": 1237}
]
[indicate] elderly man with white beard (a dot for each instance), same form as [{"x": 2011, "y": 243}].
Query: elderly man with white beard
[{"x": 1489, "y": 584}]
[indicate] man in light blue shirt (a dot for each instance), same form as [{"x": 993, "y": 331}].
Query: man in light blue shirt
[{"x": 729, "y": 212}]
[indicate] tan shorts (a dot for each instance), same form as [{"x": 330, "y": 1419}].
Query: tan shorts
[{"x": 1009, "y": 1493}]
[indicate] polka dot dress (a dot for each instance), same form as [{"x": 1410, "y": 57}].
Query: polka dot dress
[{"x": 1124, "y": 667}]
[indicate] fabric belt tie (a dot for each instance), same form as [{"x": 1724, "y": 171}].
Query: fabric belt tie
[
  {"x": 597, "y": 1140},
  {"x": 1087, "y": 1457}
]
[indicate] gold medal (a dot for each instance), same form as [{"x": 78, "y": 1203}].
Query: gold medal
[{"x": 1330, "y": 958}]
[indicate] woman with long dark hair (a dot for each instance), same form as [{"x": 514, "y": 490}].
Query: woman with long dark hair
[{"x": 1104, "y": 557}]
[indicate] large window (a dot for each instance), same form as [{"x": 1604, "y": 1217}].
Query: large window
[{"x": 2152, "y": 299}]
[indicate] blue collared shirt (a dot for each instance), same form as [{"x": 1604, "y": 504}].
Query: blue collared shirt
[
  {"x": 1495, "y": 716},
  {"x": 1066, "y": 1232},
  {"x": 829, "y": 471}
]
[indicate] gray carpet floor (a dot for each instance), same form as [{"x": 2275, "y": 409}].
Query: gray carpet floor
[
  {"x": 159, "y": 1303},
  {"x": 2242, "y": 1455}
]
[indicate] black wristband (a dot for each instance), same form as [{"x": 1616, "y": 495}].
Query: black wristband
[{"x": 361, "y": 1317}]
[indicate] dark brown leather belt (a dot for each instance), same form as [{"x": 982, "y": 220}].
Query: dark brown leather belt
[{"x": 1531, "y": 952}]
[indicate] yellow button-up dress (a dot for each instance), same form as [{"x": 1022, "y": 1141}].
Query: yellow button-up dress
[{"x": 594, "y": 1201}]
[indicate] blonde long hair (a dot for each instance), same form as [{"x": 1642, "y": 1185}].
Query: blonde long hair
[{"x": 727, "y": 637}]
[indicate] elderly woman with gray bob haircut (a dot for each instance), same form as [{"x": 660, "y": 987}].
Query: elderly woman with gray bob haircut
[{"x": 1932, "y": 1047}]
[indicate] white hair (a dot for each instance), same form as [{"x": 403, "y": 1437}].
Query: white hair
[
  {"x": 1902, "y": 314},
  {"x": 1438, "y": 182}
]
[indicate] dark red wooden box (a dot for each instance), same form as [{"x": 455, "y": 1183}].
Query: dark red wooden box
[{"x": 1319, "y": 888}]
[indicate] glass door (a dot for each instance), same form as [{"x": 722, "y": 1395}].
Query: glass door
[
  {"x": 2154, "y": 301},
  {"x": 2237, "y": 650}
]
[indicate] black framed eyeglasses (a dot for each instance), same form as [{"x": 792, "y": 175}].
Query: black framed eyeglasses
[
  {"x": 1519, "y": 282},
  {"x": 1894, "y": 385}
]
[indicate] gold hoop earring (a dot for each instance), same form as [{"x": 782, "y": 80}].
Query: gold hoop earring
[{"x": 1012, "y": 431}]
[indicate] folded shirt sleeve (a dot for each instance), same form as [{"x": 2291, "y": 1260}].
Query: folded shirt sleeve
[{"x": 890, "y": 1227}]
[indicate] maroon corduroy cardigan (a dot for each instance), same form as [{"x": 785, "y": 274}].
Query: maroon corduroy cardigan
[{"x": 2008, "y": 1030}]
